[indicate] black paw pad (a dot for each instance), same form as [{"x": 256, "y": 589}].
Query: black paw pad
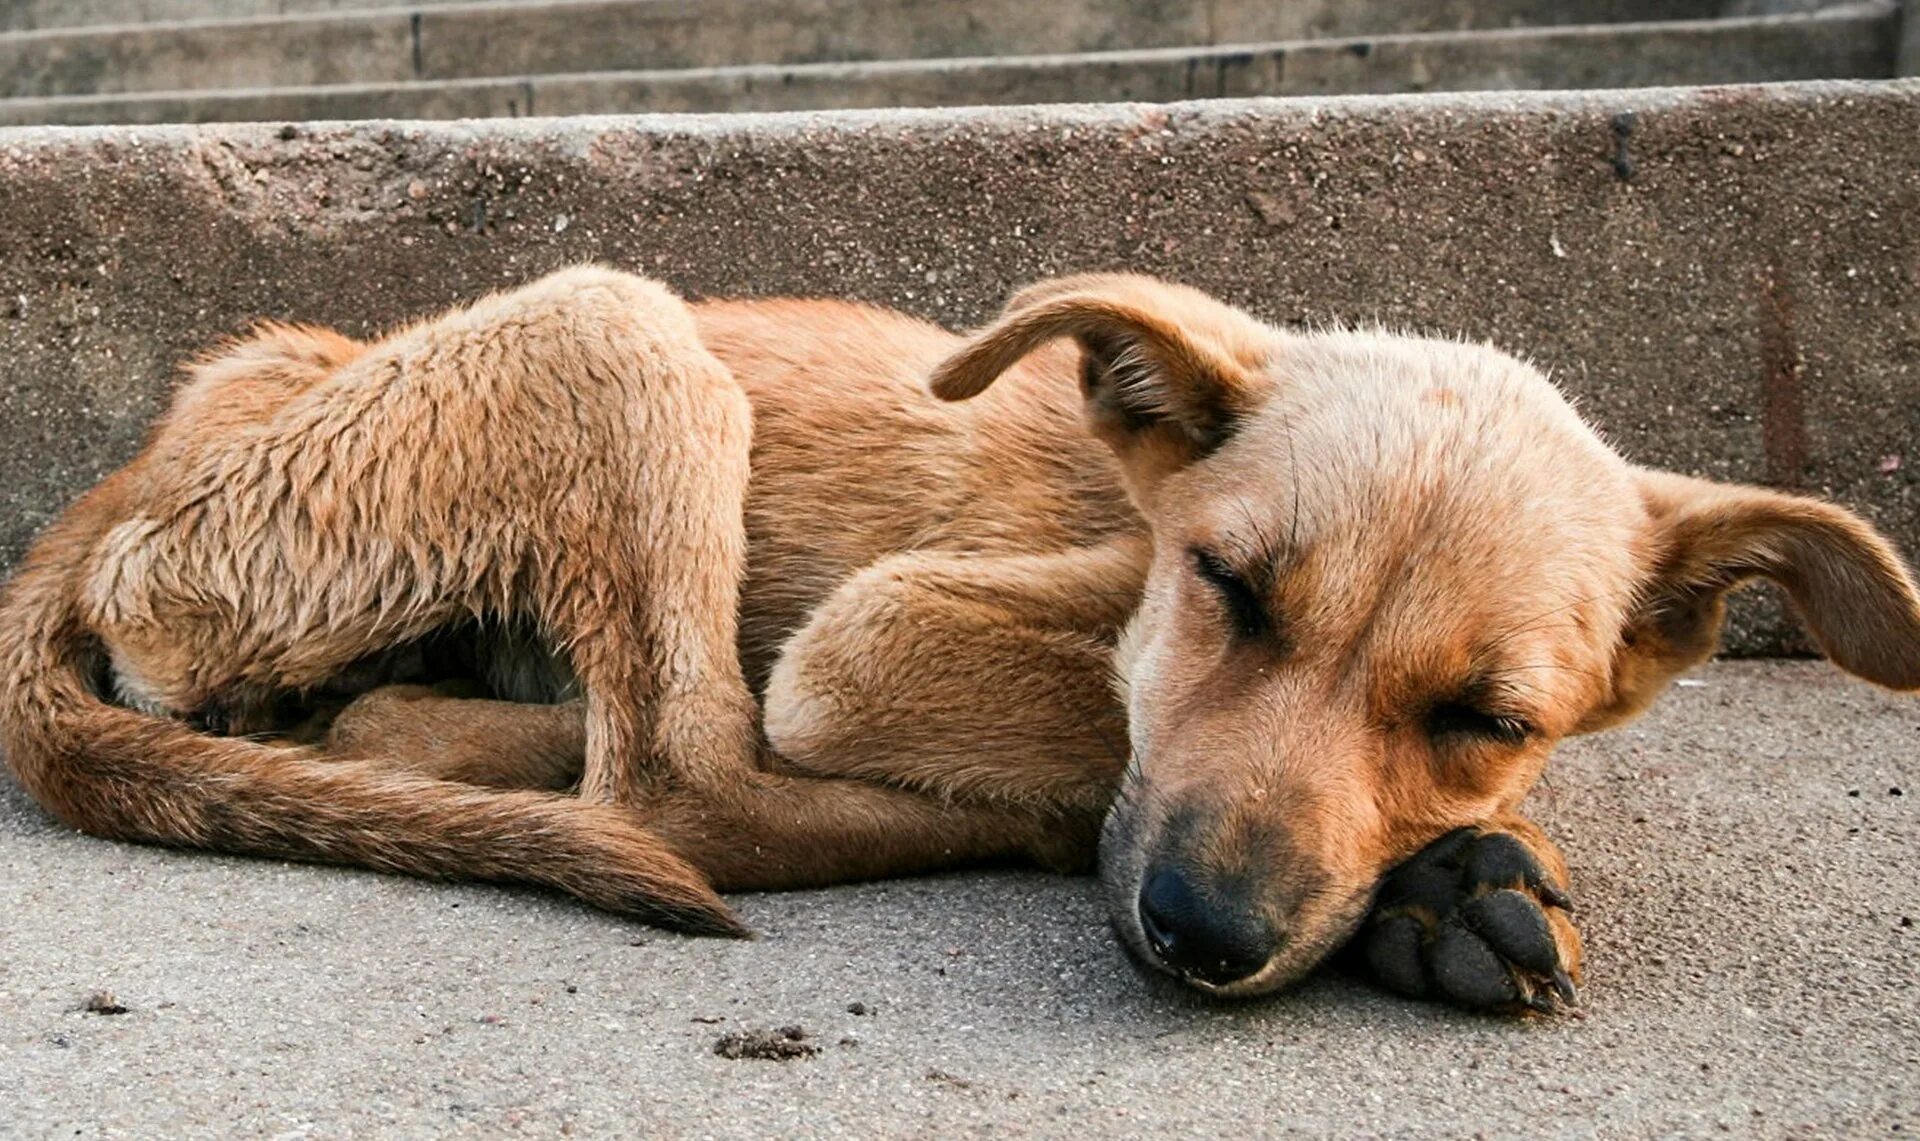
[
  {"x": 1393, "y": 952},
  {"x": 1466, "y": 920},
  {"x": 1513, "y": 925},
  {"x": 1501, "y": 860},
  {"x": 1467, "y": 971}
]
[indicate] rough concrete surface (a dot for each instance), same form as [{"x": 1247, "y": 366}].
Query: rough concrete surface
[
  {"x": 509, "y": 39},
  {"x": 1744, "y": 873},
  {"x": 1853, "y": 42},
  {"x": 1725, "y": 278},
  {"x": 1312, "y": 14},
  {"x": 371, "y": 46},
  {"x": 1909, "y": 62},
  {"x": 29, "y": 15}
]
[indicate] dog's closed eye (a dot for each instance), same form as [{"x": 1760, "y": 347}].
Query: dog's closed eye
[
  {"x": 1245, "y": 612},
  {"x": 1458, "y": 720}
]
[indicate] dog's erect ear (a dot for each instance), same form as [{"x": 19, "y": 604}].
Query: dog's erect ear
[
  {"x": 1857, "y": 599},
  {"x": 1166, "y": 370}
]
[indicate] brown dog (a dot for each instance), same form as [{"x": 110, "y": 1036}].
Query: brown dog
[{"x": 1352, "y": 589}]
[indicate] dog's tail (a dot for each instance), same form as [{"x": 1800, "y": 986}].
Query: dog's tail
[{"x": 124, "y": 774}]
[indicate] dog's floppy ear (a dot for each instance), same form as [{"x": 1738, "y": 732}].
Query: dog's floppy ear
[
  {"x": 1851, "y": 590},
  {"x": 1165, "y": 369}
]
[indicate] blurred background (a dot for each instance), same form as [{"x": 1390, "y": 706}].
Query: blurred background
[{"x": 156, "y": 61}]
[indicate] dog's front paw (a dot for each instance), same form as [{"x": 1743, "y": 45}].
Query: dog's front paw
[{"x": 1476, "y": 920}]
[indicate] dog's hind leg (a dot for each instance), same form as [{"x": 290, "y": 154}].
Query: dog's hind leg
[
  {"x": 655, "y": 607},
  {"x": 637, "y": 549},
  {"x": 496, "y": 744},
  {"x": 567, "y": 454},
  {"x": 761, "y": 832}
]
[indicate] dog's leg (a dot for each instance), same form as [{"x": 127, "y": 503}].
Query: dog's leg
[
  {"x": 978, "y": 682},
  {"x": 498, "y": 744},
  {"x": 648, "y": 544},
  {"x": 773, "y": 832},
  {"x": 761, "y": 832},
  {"x": 1479, "y": 918},
  {"x": 567, "y": 453},
  {"x": 971, "y": 698},
  {"x": 966, "y": 676}
]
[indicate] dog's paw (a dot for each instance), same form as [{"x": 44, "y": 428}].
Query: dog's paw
[{"x": 1475, "y": 920}]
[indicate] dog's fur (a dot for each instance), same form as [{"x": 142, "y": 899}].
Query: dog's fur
[{"x": 1353, "y": 588}]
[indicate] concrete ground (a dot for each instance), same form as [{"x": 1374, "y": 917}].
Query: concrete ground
[{"x": 1746, "y": 862}]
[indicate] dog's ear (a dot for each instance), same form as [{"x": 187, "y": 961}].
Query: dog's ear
[
  {"x": 1165, "y": 370},
  {"x": 1848, "y": 584}
]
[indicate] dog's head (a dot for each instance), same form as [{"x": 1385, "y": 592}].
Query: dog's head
[{"x": 1389, "y": 574}]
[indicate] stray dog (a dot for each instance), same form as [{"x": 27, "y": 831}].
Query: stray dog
[{"x": 1284, "y": 625}]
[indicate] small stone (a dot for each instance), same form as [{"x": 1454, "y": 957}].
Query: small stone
[
  {"x": 103, "y": 1002},
  {"x": 1273, "y": 211},
  {"x": 782, "y": 1045}
]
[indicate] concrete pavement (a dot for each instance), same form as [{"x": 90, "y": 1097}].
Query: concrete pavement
[{"x": 1746, "y": 876}]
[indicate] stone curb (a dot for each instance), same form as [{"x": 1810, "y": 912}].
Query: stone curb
[{"x": 1727, "y": 279}]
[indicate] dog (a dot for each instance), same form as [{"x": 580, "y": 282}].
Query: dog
[{"x": 584, "y": 587}]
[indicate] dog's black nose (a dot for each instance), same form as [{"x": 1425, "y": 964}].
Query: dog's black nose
[{"x": 1208, "y": 939}]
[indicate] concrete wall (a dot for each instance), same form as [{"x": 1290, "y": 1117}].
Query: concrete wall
[{"x": 1728, "y": 279}]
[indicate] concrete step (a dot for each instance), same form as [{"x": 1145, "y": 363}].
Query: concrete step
[
  {"x": 514, "y": 39},
  {"x": 31, "y": 15},
  {"x": 1857, "y": 41},
  {"x": 1722, "y": 276},
  {"x": 23, "y": 15}
]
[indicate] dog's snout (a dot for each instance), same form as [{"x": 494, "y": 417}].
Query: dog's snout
[{"x": 1211, "y": 936}]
